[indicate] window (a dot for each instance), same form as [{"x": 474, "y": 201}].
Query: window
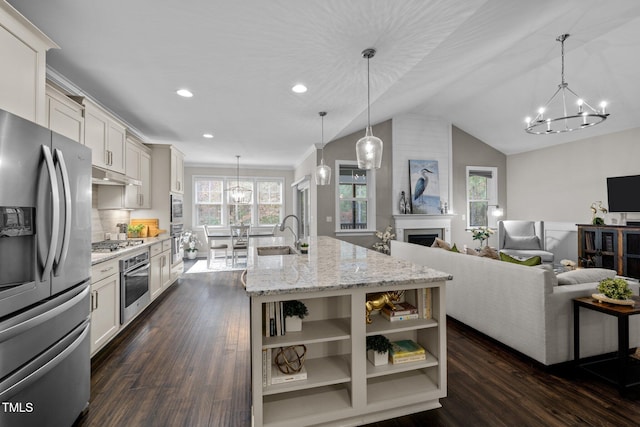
[
  {"x": 482, "y": 196},
  {"x": 214, "y": 206},
  {"x": 269, "y": 202},
  {"x": 355, "y": 204}
]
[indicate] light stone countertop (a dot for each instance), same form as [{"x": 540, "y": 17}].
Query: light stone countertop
[
  {"x": 330, "y": 264},
  {"x": 98, "y": 257}
]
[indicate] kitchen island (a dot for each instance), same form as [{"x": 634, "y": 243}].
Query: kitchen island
[{"x": 342, "y": 387}]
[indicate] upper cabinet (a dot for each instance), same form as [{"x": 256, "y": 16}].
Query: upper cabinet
[
  {"x": 138, "y": 159},
  {"x": 177, "y": 171},
  {"x": 63, "y": 115},
  {"x": 105, "y": 136},
  {"x": 23, "y": 49}
]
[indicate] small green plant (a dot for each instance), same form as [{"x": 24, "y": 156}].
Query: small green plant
[
  {"x": 304, "y": 245},
  {"x": 615, "y": 288},
  {"x": 295, "y": 308},
  {"x": 378, "y": 343},
  {"x": 135, "y": 229}
]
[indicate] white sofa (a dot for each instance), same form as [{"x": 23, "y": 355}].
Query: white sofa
[{"x": 522, "y": 307}]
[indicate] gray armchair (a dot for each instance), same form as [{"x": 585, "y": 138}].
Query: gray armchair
[{"x": 523, "y": 239}]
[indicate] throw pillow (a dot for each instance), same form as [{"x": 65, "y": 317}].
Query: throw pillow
[
  {"x": 585, "y": 275},
  {"x": 439, "y": 243},
  {"x": 489, "y": 252},
  {"x": 471, "y": 251},
  {"x": 522, "y": 242},
  {"x": 454, "y": 248},
  {"x": 530, "y": 262}
]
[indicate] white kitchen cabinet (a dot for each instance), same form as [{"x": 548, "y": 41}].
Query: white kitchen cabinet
[
  {"x": 177, "y": 171},
  {"x": 64, "y": 115},
  {"x": 23, "y": 49},
  {"x": 160, "y": 275},
  {"x": 105, "y": 136},
  {"x": 138, "y": 159},
  {"x": 105, "y": 303}
]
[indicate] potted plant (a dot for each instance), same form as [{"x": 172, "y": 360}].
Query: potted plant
[
  {"x": 616, "y": 290},
  {"x": 189, "y": 242},
  {"x": 304, "y": 248},
  {"x": 134, "y": 230},
  {"x": 378, "y": 347},
  {"x": 294, "y": 312}
]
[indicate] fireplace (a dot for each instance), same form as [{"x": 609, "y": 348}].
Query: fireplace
[
  {"x": 424, "y": 236},
  {"x": 431, "y": 226}
]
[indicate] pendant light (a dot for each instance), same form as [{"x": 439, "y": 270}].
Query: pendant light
[
  {"x": 238, "y": 194},
  {"x": 323, "y": 172},
  {"x": 554, "y": 117},
  {"x": 369, "y": 148}
]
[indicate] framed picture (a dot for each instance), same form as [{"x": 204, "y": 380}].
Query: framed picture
[{"x": 424, "y": 183}]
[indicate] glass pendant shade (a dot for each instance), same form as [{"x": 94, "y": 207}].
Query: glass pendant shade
[
  {"x": 369, "y": 148},
  {"x": 369, "y": 151},
  {"x": 323, "y": 174}
]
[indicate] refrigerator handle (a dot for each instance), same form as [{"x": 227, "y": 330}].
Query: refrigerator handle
[
  {"x": 66, "y": 234},
  {"x": 55, "y": 216}
]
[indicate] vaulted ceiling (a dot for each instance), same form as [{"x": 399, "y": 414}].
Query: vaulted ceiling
[{"x": 483, "y": 65}]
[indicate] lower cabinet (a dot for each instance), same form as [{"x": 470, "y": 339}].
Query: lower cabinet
[
  {"x": 105, "y": 303},
  {"x": 160, "y": 275},
  {"x": 339, "y": 386}
]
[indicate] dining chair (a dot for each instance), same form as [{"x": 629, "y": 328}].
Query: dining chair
[
  {"x": 239, "y": 241},
  {"x": 213, "y": 245}
]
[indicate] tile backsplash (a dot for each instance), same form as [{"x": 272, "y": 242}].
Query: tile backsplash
[{"x": 105, "y": 220}]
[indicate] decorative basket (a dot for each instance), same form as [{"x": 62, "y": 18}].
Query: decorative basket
[{"x": 603, "y": 298}]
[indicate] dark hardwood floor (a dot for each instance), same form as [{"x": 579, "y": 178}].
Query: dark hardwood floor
[{"x": 185, "y": 362}]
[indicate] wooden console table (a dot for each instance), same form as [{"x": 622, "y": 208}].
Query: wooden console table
[{"x": 620, "y": 370}]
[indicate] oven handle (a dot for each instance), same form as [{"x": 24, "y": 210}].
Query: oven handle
[{"x": 136, "y": 270}]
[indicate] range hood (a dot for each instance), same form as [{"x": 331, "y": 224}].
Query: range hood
[{"x": 106, "y": 177}]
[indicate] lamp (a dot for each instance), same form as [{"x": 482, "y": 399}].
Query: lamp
[
  {"x": 239, "y": 194},
  {"x": 369, "y": 147},
  {"x": 585, "y": 115},
  {"x": 323, "y": 172},
  {"x": 497, "y": 211}
]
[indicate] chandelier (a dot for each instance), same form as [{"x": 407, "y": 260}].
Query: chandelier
[
  {"x": 555, "y": 118},
  {"x": 369, "y": 147},
  {"x": 238, "y": 194},
  {"x": 323, "y": 172}
]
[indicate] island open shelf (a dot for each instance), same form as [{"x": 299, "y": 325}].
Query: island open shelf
[{"x": 341, "y": 386}]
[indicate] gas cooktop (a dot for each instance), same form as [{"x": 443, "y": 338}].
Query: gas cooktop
[{"x": 113, "y": 245}]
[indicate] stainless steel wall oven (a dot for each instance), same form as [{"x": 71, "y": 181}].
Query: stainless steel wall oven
[{"x": 134, "y": 284}]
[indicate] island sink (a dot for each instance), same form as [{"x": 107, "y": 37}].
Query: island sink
[{"x": 275, "y": 250}]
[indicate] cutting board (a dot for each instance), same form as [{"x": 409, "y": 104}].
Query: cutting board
[{"x": 151, "y": 229}]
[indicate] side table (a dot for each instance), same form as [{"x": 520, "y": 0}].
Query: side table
[{"x": 620, "y": 370}]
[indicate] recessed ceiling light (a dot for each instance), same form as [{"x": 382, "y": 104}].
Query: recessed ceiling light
[
  {"x": 207, "y": 135},
  {"x": 299, "y": 88},
  {"x": 184, "y": 93}
]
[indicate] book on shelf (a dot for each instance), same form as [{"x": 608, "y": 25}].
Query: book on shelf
[
  {"x": 278, "y": 377},
  {"x": 399, "y": 317},
  {"x": 404, "y": 351},
  {"x": 401, "y": 309},
  {"x": 420, "y": 298}
]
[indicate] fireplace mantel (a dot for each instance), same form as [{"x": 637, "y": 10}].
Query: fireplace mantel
[{"x": 422, "y": 221}]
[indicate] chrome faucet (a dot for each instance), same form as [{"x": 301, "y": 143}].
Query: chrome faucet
[{"x": 295, "y": 235}]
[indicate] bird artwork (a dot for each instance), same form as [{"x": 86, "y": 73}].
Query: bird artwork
[
  {"x": 421, "y": 184},
  {"x": 425, "y": 187}
]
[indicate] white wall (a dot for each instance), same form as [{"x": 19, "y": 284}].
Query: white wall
[
  {"x": 559, "y": 184},
  {"x": 420, "y": 137}
]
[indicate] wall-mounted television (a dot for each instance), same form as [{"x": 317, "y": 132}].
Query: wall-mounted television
[{"x": 623, "y": 193}]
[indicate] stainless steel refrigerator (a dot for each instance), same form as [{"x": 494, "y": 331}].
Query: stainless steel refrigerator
[{"x": 45, "y": 263}]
